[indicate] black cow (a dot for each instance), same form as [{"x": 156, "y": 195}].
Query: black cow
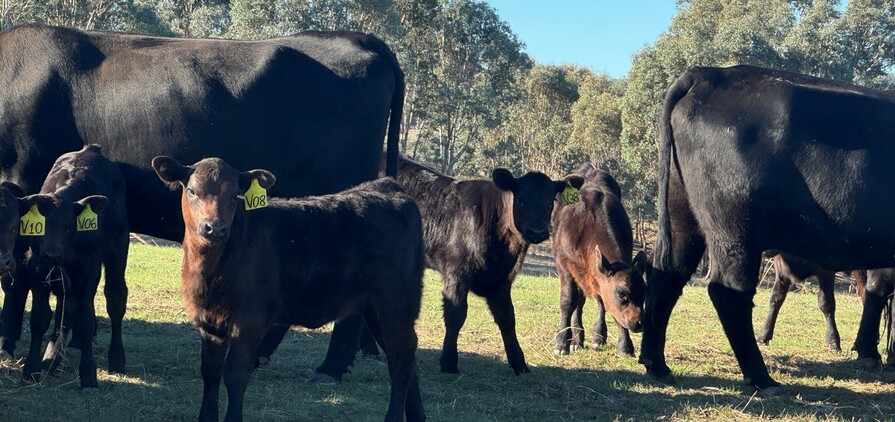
[
  {"x": 12, "y": 265},
  {"x": 877, "y": 294},
  {"x": 85, "y": 231},
  {"x": 296, "y": 262},
  {"x": 755, "y": 159},
  {"x": 313, "y": 107}
]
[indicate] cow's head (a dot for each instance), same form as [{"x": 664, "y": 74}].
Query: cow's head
[
  {"x": 622, "y": 289},
  {"x": 533, "y": 196},
  {"x": 59, "y": 224},
  {"x": 211, "y": 194},
  {"x": 12, "y": 207}
]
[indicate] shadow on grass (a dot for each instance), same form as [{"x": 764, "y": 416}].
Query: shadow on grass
[{"x": 163, "y": 383}]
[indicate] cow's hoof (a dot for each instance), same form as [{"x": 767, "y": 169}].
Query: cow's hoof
[
  {"x": 90, "y": 391},
  {"x": 870, "y": 364},
  {"x": 560, "y": 352},
  {"x": 263, "y": 361},
  {"x": 772, "y": 391},
  {"x": 625, "y": 354},
  {"x": 577, "y": 347},
  {"x": 322, "y": 379},
  {"x": 521, "y": 369}
]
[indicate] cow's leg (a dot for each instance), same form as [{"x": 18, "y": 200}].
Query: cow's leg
[
  {"x": 501, "y": 306},
  {"x": 84, "y": 327},
  {"x": 368, "y": 345},
  {"x": 116, "y": 292},
  {"x": 214, "y": 350},
  {"x": 679, "y": 248},
  {"x": 41, "y": 316},
  {"x": 599, "y": 330},
  {"x": 15, "y": 294},
  {"x": 341, "y": 351},
  {"x": 398, "y": 338},
  {"x": 272, "y": 339},
  {"x": 567, "y": 305},
  {"x": 890, "y": 334},
  {"x": 238, "y": 366},
  {"x": 875, "y": 296},
  {"x": 624, "y": 347},
  {"x": 64, "y": 316},
  {"x": 734, "y": 276},
  {"x": 782, "y": 283},
  {"x": 578, "y": 341},
  {"x": 454, "y": 297},
  {"x": 826, "y": 300}
]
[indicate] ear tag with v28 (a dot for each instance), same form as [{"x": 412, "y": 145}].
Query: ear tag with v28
[
  {"x": 87, "y": 220},
  {"x": 569, "y": 195},
  {"x": 33, "y": 223},
  {"x": 256, "y": 196}
]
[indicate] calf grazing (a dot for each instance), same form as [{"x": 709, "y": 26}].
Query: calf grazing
[
  {"x": 477, "y": 233},
  {"x": 295, "y": 262},
  {"x": 593, "y": 245},
  {"x": 756, "y": 159},
  {"x": 12, "y": 265},
  {"x": 85, "y": 229}
]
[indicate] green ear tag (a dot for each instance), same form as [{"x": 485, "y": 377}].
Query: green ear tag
[
  {"x": 256, "y": 196},
  {"x": 33, "y": 223},
  {"x": 87, "y": 220},
  {"x": 569, "y": 195}
]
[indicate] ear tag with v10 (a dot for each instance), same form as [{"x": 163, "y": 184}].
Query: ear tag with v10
[
  {"x": 569, "y": 195},
  {"x": 33, "y": 223},
  {"x": 87, "y": 220},
  {"x": 256, "y": 196}
]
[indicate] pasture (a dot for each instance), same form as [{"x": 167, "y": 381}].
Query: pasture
[{"x": 163, "y": 381}]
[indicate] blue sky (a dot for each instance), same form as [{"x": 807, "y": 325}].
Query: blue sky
[{"x": 600, "y": 34}]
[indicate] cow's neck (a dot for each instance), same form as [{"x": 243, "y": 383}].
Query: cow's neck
[{"x": 203, "y": 280}]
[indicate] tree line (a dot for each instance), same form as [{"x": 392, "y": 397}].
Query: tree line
[{"x": 475, "y": 100}]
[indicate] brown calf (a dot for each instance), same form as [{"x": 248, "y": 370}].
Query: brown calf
[
  {"x": 593, "y": 245},
  {"x": 296, "y": 262}
]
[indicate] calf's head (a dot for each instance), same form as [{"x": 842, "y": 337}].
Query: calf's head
[
  {"x": 211, "y": 192},
  {"x": 49, "y": 238},
  {"x": 533, "y": 196},
  {"x": 622, "y": 289},
  {"x": 12, "y": 207}
]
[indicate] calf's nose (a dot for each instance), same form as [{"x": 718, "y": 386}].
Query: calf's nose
[
  {"x": 52, "y": 253},
  {"x": 213, "y": 228}
]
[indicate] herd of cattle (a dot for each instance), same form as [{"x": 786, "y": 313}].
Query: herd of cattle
[{"x": 752, "y": 161}]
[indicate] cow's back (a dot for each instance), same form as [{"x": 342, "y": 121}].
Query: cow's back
[
  {"x": 313, "y": 108},
  {"x": 810, "y": 157}
]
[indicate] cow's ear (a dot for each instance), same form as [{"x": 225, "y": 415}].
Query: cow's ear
[
  {"x": 503, "y": 179},
  {"x": 46, "y": 204},
  {"x": 25, "y": 204},
  {"x": 12, "y": 187},
  {"x": 265, "y": 179},
  {"x": 642, "y": 265},
  {"x": 171, "y": 172},
  {"x": 603, "y": 264},
  {"x": 575, "y": 181},
  {"x": 98, "y": 204}
]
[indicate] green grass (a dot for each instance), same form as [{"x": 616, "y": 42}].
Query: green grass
[{"x": 163, "y": 380}]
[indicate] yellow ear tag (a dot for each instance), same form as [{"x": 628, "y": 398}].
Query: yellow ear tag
[
  {"x": 569, "y": 195},
  {"x": 33, "y": 223},
  {"x": 256, "y": 196},
  {"x": 87, "y": 220}
]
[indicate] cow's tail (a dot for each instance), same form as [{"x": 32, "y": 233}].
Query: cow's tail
[
  {"x": 394, "y": 123},
  {"x": 662, "y": 255}
]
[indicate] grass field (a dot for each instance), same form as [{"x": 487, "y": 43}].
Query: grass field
[{"x": 163, "y": 381}]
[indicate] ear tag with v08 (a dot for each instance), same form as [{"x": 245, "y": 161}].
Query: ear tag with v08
[
  {"x": 87, "y": 220},
  {"x": 569, "y": 195},
  {"x": 256, "y": 196},
  {"x": 33, "y": 223}
]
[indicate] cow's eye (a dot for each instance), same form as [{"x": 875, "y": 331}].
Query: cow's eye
[
  {"x": 623, "y": 298},
  {"x": 190, "y": 192}
]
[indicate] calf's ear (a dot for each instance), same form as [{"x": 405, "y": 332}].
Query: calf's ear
[
  {"x": 12, "y": 187},
  {"x": 503, "y": 179},
  {"x": 98, "y": 204},
  {"x": 265, "y": 179},
  {"x": 574, "y": 181},
  {"x": 641, "y": 264},
  {"x": 170, "y": 171}
]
